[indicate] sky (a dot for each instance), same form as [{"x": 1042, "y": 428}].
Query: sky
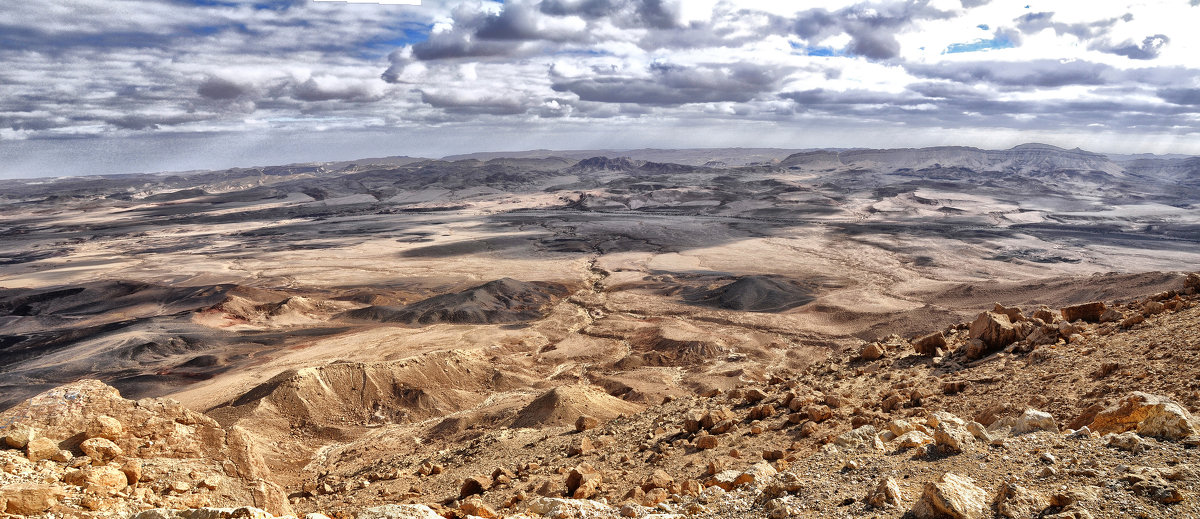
[{"x": 118, "y": 86}]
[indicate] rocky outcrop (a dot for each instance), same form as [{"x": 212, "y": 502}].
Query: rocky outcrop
[{"x": 1149, "y": 415}]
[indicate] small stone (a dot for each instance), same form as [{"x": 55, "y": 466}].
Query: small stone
[
  {"x": 706, "y": 441},
  {"x": 1016, "y": 502},
  {"x": 952, "y": 496},
  {"x": 474, "y": 485},
  {"x": 586, "y": 422},
  {"x": 885, "y": 495}
]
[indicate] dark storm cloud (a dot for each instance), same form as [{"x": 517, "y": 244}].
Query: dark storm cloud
[
  {"x": 669, "y": 85},
  {"x": 221, "y": 89}
]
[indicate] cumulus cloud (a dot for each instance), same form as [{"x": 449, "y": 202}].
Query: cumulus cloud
[{"x": 667, "y": 84}]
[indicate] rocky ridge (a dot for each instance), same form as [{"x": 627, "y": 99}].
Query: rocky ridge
[{"x": 1083, "y": 411}]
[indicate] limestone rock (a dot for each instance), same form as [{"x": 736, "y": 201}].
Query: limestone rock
[
  {"x": 474, "y": 485},
  {"x": 757, "y": 474},
  {"x": 726, "y": 479},
  {"x": 886, "y": 494},
  {"x": 952, "y": 438},
  {"x": 706, "y": 441},
  {"x": 1013, "y": 313},
  {"x": 41, "y": 448},
  {"x": 1149, "y": 415},
  {"x": 1089, "y": 312},
  {"x": 19, "y": 437},
  {"x": 101, "y": 450},
  {"x": 953, "y": 496},
  {"x": 1126, "y": 441},
  {"x": 993, "y": 330},
  {"x": 98, "y": 479},
  {"x": 872, "y": 351},
  {"x": 583, "y": 481},
  {"x": 658, "y": 479},
  {"x": 30, "y": 498},
  {"x": 1033, "y": 420},
  {"x": 1016, "y": 502},
  {"x": 398, "y": 512},
  {"x": 860, "y": 437},
  {"x": 928, "y": 345},
  {"x": 913, "y": 439},
  {"x": 585, "y": 422},
  {"x": 104, "y": 426},
  {"x": 568, "y": 508},
  {"x": 478, "y": 508}
]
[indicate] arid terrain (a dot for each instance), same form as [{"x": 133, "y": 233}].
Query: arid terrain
[{"x": 938, "y": 332}]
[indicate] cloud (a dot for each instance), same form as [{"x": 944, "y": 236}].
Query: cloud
[
  {"x": 673, "y": 85},
  {"x": 1149, "y": 48},
  {"x": 217, "y": 88},
  {"x": 1181, "y": 96},
  {"x": 872, "y": 27}
]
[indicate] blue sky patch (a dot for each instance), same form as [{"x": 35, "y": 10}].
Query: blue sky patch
[
  {"x": 999, "y": 42},
  {"x": 814, "y": 50}
]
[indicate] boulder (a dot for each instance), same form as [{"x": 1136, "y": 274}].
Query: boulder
[
  {"x": 30, "y": 498},
  {"x": 952, "y": 496},
  {"x": 568, "y": 508},
  {"x": 1045, "y": 314},
  {"x": 758, "y": 474},
  {"x": 398, "y": 512},
  {"x": 474, "y": 485},
  {"x": 706, "y": 441},
  {"x": 928, "y": 345},
  {"x": 861, "y": 437},
  {"x": 725, "y": 479},
  {"x": 1149, "y": 415},
  {"x": 913, "y": 439},
  {"x": 583, "y": 481},
  {"x": 872, "y": 351},
  {"x": 42, "y": 448},
  {"x": 658, "y": 479},
  {"x": 993, "y": 330},
  {"x": 1126, "y": 441},
  {"x": 885, "y": 495},
  {"x": 585, "y": 422},
  {"x": 1089, "y": 312},
  {"x": 102, "y": 480},
  {"x": 476, "y": 507},
  {"x": 101, "y": 450},
  {"x": 952, "y": 438},
  {"x": 19, "y": 437},
  {"x": 1013, "y": 313},
  {"x": 104, "y": 426},
  {"x": 1033, "y": 420},
  {"x": 1016, "y": 502}
]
